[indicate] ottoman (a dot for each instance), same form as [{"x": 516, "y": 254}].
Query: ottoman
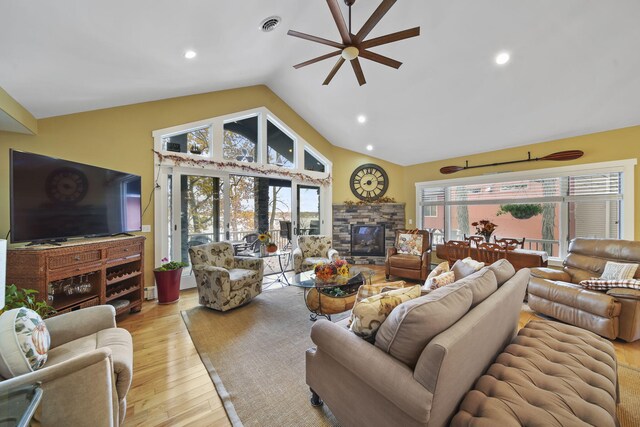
[{"x": 551, "y": 374}]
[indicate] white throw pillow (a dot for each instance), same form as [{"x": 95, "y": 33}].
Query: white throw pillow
[
  {"x": 618, "y": 271},
  {"x": 25, "y": 342}
]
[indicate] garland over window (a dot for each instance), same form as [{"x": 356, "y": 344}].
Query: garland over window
[{"x": 246, "y": 167}]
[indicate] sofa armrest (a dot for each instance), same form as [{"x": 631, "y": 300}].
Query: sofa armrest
[
  {"x": 332, "y": 254},
  {"x": 624, "y": 293},
  {"x": 77, "y": 324},
  {"x": 551, "y": 274},
  {"x": 388, "y": 376},
  {"x": 78, "y": 391},
  {"x": 297, "y": 260}
]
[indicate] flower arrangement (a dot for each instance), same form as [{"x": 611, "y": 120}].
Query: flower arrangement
[
  {"x": 328, "y": 271},
  {"x": 264, "y": 237},
  {"x": 170, "y": 265},
  {"x": 484, "y": 227}
]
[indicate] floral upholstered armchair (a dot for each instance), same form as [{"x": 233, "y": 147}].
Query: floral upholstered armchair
[
  {"x": 225, "y": 281},
  {"x": 311, "y": 250}
]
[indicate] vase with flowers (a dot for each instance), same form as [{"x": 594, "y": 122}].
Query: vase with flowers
[
  {"x": 266, "y": 245},
  {"x": 484, "y": 228},
  {"x": 168, "y": 280}
]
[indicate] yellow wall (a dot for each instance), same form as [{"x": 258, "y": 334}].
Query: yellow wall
[
  {"x": 616, "y": 144},
  {"x": 120, "y": 138},
  {"x": 15, "y": 115}
]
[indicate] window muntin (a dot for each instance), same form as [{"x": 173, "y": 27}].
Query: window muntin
[
  {"x": 280, "y": 146},
  {"x": 579, "y": 205},
  {"x": 196, "y": 142},
  {"x": 241, "y": 140}
]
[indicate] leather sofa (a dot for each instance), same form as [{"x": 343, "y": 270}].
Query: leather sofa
[
  {"x": 474, "y": 320},
  {"x": 612, "y": 314},
  {"x": 408, "y": 266}
]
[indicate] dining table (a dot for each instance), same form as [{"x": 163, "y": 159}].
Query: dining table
[{"x": 520, "y": 258}]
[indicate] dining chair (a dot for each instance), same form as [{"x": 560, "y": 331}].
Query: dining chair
[
  {"x": 457, "y": 249},
  {"x": 474, "y": 240},
  {"x": 491, "y": 252},
  {"x": 509, "y": 242}
]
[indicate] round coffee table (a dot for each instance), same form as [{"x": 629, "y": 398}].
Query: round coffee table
[{"x": 324, "y": 298}]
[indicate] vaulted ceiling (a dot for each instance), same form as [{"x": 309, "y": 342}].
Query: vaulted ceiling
[{"x": 574, "y": 66}]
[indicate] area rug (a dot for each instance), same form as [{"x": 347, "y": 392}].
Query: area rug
[
  {"x": 629, "y": 406},
  {"x": 256, "y": 358}
]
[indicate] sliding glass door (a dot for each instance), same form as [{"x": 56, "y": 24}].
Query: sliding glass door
[{"x": 308, "y": 210}]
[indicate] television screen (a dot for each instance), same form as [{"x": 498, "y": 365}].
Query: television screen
[{"x": 55, "y": 199}]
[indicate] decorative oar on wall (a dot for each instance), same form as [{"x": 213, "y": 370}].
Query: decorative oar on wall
[{"x": 559, "y": 156}]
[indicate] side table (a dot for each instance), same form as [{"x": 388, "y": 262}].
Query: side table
[{"x": 18, "y": 406}]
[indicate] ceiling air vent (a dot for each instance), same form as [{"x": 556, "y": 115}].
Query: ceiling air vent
[{"x": 270, "y": 23}]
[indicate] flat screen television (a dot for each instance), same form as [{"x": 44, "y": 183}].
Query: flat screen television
[{"x": 54, "y": 199}]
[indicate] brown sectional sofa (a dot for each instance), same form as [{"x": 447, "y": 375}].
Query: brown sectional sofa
[
  {"x": 612, "y": 314},
  {"x": 430, "y": 352}
]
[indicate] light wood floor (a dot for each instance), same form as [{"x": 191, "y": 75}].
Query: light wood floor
[{"x": 171, "y": 387}]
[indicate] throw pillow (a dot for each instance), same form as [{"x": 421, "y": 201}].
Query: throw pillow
[
  {"x": 25, "y": 342},
  {"x": 439, "y": 281},
  {"x": 462, "y": 269},
  {"x": 366, "y": 291},
  {"x": 603, "y": 285},
  {"x": 443, "y": 267},
  {"x": 477, "y": 265},
  {"x": 618, "y": 271},
  {"x": 409, "y": 244},
  {"x": 370, "y": 313}
]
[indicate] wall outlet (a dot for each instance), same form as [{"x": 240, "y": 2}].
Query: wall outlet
[
  {"x": 410, "y": 221},
  {"x": 146, "y": 229}
]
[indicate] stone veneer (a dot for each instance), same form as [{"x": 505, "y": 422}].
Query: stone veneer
[{"x": 391, "y": 215}]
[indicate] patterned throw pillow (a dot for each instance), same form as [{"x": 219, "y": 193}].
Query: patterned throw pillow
[
  {"x": 443, "y": 267},
  {"x": 439, "y": 281},
  {"x": 618, "y": 271},
  {"x": 25, "y": 342},
  {"x": 366, "y": 291},
  {"x": 409, "y": 244},
  {"x": 368, "y": 315},
  {"x": 604, "y": 285},
  {"x": 477, "y": 265}
]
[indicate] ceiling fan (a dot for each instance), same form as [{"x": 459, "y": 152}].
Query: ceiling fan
[{"x": 354, "y": 46}]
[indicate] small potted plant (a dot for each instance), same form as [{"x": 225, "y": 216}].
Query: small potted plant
[
  {"x": 266, "y": 245},
  {"x": 168, "y": 280},
  {"x": 16, "y": 298}
]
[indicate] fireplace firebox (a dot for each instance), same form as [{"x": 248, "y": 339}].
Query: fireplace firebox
[{"x": 367, "y": 240}]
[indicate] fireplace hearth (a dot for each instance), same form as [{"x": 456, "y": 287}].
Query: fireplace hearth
[{"x": 367, "y": 240}]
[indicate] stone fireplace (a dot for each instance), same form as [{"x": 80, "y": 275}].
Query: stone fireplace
[
  {"x": 367, "y": 240},
  {"x": 355, "y": 226}
]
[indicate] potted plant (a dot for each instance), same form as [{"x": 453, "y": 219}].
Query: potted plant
[
  {"x": 16, "y": 298},
  {"x": 484, "y": 228},
  {"x": 168, "y": 280},
  {"x": 266, "y": 245},
  {"x": 521, "y": 211}
]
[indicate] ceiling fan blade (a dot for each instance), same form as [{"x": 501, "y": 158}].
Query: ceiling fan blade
[
  {"x": 390, "y": 38},
  {"x": 334, "y": 70},
  {"x": 337, "y": 16},
  {"x": 380, "y": 59},
  {"x": 315, "y": 39},
  {"x": 374, "y": 19},
  {"x": 318, "y": 59},
  {"x": 358, "y": 70}
]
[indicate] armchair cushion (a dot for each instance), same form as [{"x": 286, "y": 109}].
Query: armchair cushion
[
  {"x": 550, "y": 274},
  {"x": 25, "y": 342}
]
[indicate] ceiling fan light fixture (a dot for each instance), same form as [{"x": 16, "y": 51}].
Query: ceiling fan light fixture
[{"x": 350, "y": 53}]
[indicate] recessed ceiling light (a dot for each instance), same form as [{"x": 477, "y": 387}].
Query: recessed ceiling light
[
  {"x": 190, "y": 54},
  {"x": 362, "y": 118},
  {"x": 502, "y": 58},
  {"x": 369, "y": 147}
]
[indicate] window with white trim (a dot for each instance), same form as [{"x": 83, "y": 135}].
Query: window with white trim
[{"x": 548, "y": 209}]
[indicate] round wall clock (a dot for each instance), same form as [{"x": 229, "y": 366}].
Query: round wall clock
[
  {"x": 369, "y": 182},
  {"x": 66, "y": 185}
]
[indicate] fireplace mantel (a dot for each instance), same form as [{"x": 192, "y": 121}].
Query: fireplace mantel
[{"x": 390, "y": 215}]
